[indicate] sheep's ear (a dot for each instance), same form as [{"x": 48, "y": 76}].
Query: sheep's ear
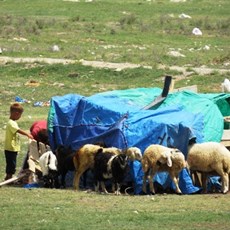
[
  {"x": 169, "y": 160},
  {"x": 166, "y": 156}
]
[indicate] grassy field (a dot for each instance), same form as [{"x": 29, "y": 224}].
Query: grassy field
[
  {"x": 132, "y": 31},
  {"x": 140, "y": 32},
  {"x": 65, "y": 209}
]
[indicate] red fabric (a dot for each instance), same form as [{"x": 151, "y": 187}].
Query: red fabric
[{"x": 37, "y": 126}]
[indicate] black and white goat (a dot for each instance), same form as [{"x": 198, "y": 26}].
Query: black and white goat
[
  {"x": 65, "y": 162},
  {"x": 109, "y": 166},
  {"x": 48, "y": 164}
]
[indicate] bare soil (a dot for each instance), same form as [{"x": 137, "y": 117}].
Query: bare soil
[{"x": 185, "y": 70}]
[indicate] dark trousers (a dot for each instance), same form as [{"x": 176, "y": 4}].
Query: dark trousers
[{"x": 11, "y": 161}]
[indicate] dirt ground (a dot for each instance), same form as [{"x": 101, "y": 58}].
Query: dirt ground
[{"x": 185, "y": 71}]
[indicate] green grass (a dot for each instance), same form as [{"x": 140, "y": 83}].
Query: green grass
[
  {"x": 134, "y": 31},
  {"x": 139, "y": 31},
  {"x": 66, "y": 209}
]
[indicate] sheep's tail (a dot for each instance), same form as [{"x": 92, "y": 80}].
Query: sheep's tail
[{"x": 76, "y": 160}]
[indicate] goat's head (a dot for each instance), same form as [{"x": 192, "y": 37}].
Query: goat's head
[
  {"x": 123, "y": 160},
  {"x": 52, "y": 161}
]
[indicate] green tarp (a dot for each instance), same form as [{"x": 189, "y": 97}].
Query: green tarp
[{"x": 212, "y": 106}]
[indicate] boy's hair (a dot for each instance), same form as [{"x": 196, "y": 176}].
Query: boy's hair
[{"x": 16, "y": 107}]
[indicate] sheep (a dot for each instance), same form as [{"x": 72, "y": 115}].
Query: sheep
[
  {"x": 210, "y": 158},
  {"x": 48, "y": 164},
  {"x": 65, "y": 162},
  {"x": 133, "y": 153},
  {"x": 158, "y": 158},
  {"x": 109, "y": 166},
  {"x": 84, "y": 158}
]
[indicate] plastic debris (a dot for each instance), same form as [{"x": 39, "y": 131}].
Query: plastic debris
[
  {"x": 32, "y": 185},
  {"x": 225, "y": 85},
  {"x": 55, "y": 48},
  {"x": 175, "y": 54},
  {"x": 196, "y": 31},
  {"x": 21, "y": 100},
  {"x": 182, "y": 16},
  {"x": 41, "y": 103}
]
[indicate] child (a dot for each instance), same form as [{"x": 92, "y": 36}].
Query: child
[{"x": 12, "y": 141}]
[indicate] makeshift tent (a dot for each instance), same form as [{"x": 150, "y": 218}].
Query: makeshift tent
[{"x": 117, "y": 118}]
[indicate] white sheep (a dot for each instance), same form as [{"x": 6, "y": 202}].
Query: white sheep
[
  {"x": 158, "y": 158},
  {"x": 210, "y": 158}
]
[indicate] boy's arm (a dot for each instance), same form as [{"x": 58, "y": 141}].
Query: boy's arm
[{"x": 25, "y": 133}]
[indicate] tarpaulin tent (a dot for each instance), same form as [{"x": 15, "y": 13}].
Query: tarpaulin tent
[{"x": 117, "y": 118}]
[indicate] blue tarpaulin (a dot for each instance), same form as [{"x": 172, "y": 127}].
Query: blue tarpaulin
[{"x": 117, "y": 119}]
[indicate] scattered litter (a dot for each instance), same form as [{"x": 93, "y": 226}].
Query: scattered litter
[
  {"x": 32, "y": 83},
  {"x": 0, "y": 50},
  {"x": 55, "y": 48},
  {"x": 196, "y": 31},
  {"x": 182, "y": 16},
  {"x": 225, "y": 85},
  {"x": 136, "y": 212},
  {"x": 58, "y": 84},
  {"x": 21, "y": 100},
  {"x": 21, "y": 39},
  {"x": 206, "y": 47},
  {"x": 41, "y": 104},
  {"x": 71, "y": 0},
  {"x": 175, "y": 54},
  {"x": 32, "y": 185},
  {"x": 177, "y": 0}
]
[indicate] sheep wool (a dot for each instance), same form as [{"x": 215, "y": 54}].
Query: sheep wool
[
  {"x": 210, "y": 157},
  {"x": 158, "y": 158}
]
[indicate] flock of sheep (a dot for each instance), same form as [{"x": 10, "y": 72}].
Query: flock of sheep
[{"x": 209, "y": 158}]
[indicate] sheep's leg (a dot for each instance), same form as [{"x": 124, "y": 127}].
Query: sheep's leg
[
  {"x": 97, "y": 186},
  {"x": 77, "y": 176},
  {"x": 103, "y": 187},
  {"x": 63, "y": 179},
  {"x": 117, "y": 192},
  {"x": 113, "y": 187},
  {"x": 196, "y": 179},
  {"x": 225, "y": 182},
  {"x": 204, "y": 181},
  {"x": 76, "y": 180},
  {"x": 151, "y": 186},
  {"x": 175, "y": 179},
  {"x": 144, "y": 183}
]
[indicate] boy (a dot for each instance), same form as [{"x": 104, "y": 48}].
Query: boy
[{"x": 12, "y": 141}]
